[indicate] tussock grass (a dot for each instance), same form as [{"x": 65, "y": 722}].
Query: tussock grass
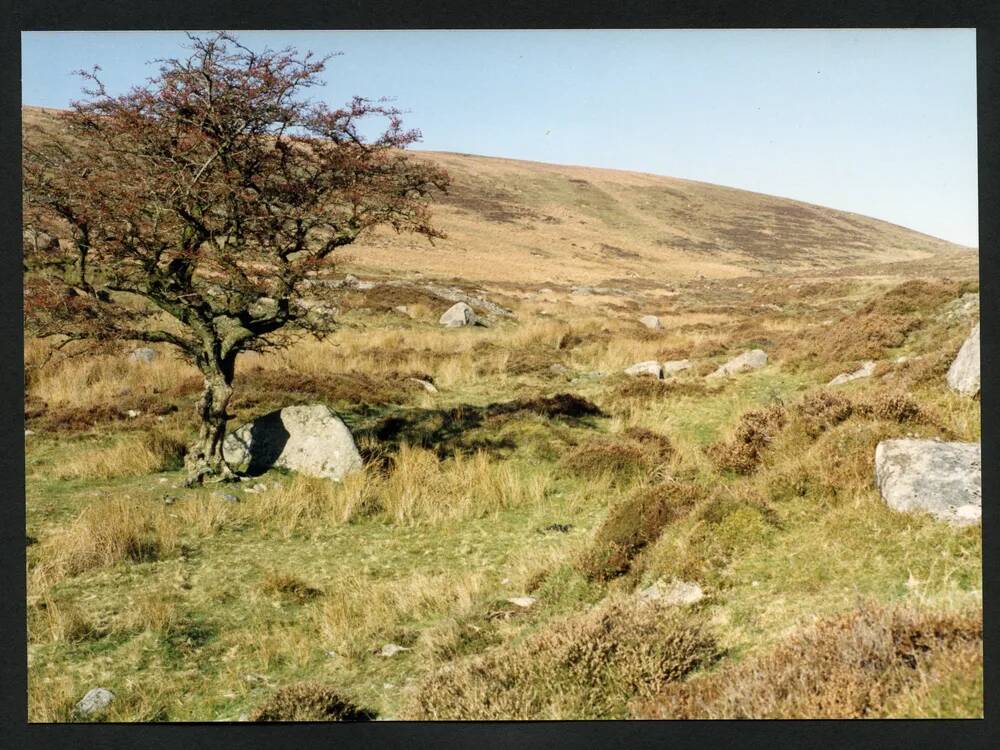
[
  {"x": 135, "y": 455},
  {"x": 845, "y": 667},
  {"x": 108, "y": 532},
  {"x": 581, "y": 667}
]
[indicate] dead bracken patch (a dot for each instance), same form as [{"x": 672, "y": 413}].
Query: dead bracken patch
[
  {"x": 574, "y": 668},
  {"x": 309, "y": 701},
  {"x": 261, "y": 385},
  {"x": 844, "y": 667},
  {"x": 756, "y": 430}
]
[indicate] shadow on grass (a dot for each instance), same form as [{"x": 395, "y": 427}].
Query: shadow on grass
[{"x": 447, "y": 431}]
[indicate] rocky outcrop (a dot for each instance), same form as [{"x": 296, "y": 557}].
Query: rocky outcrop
[
  {"x": 865, "y": 371},
  {"x": 309, "y": 439},
  {"x": 963, "y": 375},
  {"x": 649, "y": 367},
  {"x": 675, "y": 366},
  {"x": 142, "y": 354},
  {"x": 931, "y": 476},
  {"x": 748, "y": 360}
]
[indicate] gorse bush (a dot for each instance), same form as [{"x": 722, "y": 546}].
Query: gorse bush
[{"x": 583, "y": 666}]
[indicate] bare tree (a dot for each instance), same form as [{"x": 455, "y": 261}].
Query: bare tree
[{"x": 199, "y": 203}]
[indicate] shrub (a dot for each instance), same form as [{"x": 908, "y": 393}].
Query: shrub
[
  {"x": 756, "y": 429},
  {"x": 633, "y": 524},
  {"x": 821, "y": 410},
  {"x": 848, "y": 666},
  {"x": 893, "y": 407},
  {"x": 635, "y": 452},
  {"x": 309, "y": 701},
  {"x": 586, "y": 666}
]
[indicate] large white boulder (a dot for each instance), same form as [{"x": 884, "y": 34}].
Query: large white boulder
[
  {"x": 94, "y": 702},
  {"x": 309, "y": 439},
  {"x": 931, "y": 476},
  {"x": 459, "y": 314},
  {"x": 649, "y": 367},
  {"x": 753, "y": 359},
  {"x": 651, "y": 321},
  {"x": 963, "y": 375},
  {"x": 865, "y": 371}
]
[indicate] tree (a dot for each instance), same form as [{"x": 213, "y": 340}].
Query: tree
[{"x": 199, "y": 204}]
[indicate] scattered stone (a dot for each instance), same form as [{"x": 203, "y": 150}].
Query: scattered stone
[
  {"x": 402, "y": 309},
  {"x": 132, "y": 413},
  {"x": 259, "y": 487},
  {"x": 963, "y": 375},
  {"x": 673, "y": 593},
  {"x": 426, "y": 384},
  {"x": 865, "y": 371},
  {"x": 901, "y": 359},
  {"x": 675, "y": 366},
  {"x": 649, "y": 367},
  {"x": 229, "y": 497},
  {"x": 652, "y": 322},
  {"x": 391, "y": 649},
  {"x": 545, "y": 290},
  {"x": 966, "y": 306},
  {"x": 522, "y": 601},
  {"x": 458, "y": 315},
  {"x": 162, "y": 480},
  {"x": 749, "y": 360},
  {"x": 310, "y": 439},
  {"x": 143, "y": 354},
  {"x": 931, "y": 476},
  {"x": 170, "y": 499},
  {"x": 96, "y": 700}
]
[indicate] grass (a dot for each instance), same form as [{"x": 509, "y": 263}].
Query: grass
[{"x": 577, "y": 489}]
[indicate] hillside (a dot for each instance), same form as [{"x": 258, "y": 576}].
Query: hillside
[{"x": 527, "y": 222}]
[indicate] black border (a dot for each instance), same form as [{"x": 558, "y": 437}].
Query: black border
[{"x": 469, "y": 14}]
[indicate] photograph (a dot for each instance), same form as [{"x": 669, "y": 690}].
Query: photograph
[{"x": 500, "y": 375}]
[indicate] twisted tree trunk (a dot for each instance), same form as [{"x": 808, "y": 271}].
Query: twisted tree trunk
[{"x": 204, "y": 459}]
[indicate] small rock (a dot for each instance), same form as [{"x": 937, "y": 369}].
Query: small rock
[
  {"x": 559, "y": 369},
  {"x": 95, "y": 701},
  {"x": 162, "y": 480},
  {"x": 522, "y": 601},
  {"x": 652, "y": 322},
  {"x": 458, "y": 315},
  {"x": 229, "y": 497},
  {"x": 29, "y": 432},
  {"x": 425, "y": 384},
  {"x": 674, "y": 593},
  {"x": 963, "y": 375},
  {"x": 901, "y": 359},
  {"x": 403, "y": 309},
  {"x": 749, "y": 360},
  {"x": 391, "y": 649},
  {"x": 170, "y": 499},
  {"x": 649, "y": 367},
  {"x": 143, "y": 354},
  {"x": 132, "y": 413},
  {"x": 675, "y": 365},
  {"x": 865, "y": 371},
  {"x": 545, "y": 290}
]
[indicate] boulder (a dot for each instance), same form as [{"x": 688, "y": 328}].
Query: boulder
[
  {"x": 963, "y": 375},
  {"x": 865, "y": 371},
  {"x": 425, "y": 384},
  {"x": 753, "y": 359},
  {"x": 651, "y": 321},
  {"x": 931, "y": 476},
  {"x": 650, "y": 367},
  {"x": 675, "y": 366},
  {"x": 522, "y": 601},
  {"x": 459, "y": 314},
  {"x": 309, "y": 439},
  {"x": 142, "y": 354},
  {"x": 96, "y": 700},
  {"x": 673, "y": 593}
]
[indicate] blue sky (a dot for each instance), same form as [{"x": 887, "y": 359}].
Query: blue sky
[{"x": 882, "y": 123}]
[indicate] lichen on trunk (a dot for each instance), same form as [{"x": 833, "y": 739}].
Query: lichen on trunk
[{"x": 205, "y": 460}]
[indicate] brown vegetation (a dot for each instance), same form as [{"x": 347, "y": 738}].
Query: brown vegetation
[
  {"x": 755, "y": 431},
  {"x": 309, "y": 701},
  {"x": 579, "y": 666},
  {"x": 845, "y": 667}
]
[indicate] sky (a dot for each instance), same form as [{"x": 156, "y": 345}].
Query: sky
[{"x": 879, "y": 122}]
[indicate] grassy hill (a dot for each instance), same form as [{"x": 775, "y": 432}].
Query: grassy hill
[{"x": 504, "y": 526}]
